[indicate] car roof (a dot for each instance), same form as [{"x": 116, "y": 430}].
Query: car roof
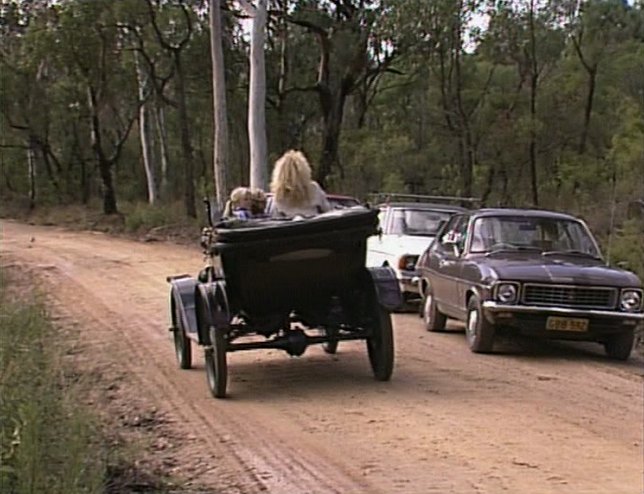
[
  {"x": 422, "y": 205},
  {"x": 533, "y": 213}
]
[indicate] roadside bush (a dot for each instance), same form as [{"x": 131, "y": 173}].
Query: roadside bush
[
  {"x": 143, "y": 216},
  {"x": 626, "y": 246},
  {"x": 47, "y": 442}
]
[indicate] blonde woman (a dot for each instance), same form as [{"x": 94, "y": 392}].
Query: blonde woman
[{"x": 294, "y": 193}]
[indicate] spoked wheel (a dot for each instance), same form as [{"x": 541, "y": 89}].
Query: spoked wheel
[
  {"x": 619, "y": 347},
  {"x": 216, "y": 365},
  {"x": 433, "y": 319},
  {"x": 478, "y": 331},
  {"x": 380, "y": 345},
  {"x": 330, "y": 346},
  {"x": 182, "y": 346}
]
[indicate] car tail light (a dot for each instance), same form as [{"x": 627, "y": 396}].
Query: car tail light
[{"x": 407, "y": 263}]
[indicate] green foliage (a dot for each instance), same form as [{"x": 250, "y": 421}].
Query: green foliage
[
  {"x": 141, "y": 216},
  {"x": 626, "y": 246},
  {"x": 47, "y": 442},
  {"x": 458, "y": 101}
]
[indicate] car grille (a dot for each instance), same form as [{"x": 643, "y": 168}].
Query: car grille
[{"x": 578, "y": 297}]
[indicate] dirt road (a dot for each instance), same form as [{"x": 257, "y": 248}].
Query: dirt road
[{"x": 542, "y": 418}]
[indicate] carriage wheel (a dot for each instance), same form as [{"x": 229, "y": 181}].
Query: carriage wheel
[
  {"x": 182, "y": 346},
  {"x": 380, "y": 345},
  {"x": 216, "y": 365}
]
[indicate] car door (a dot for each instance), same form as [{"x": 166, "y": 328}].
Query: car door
[
  {"x": 464, "y": 269},
  {"x": 444, "y": 263}
]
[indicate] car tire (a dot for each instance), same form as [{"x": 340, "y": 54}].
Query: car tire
[
  {"x": 216, "y": 364},
  {"x": 434, "y": 319},
  {"x": 182, "y": 344},
  {"x": 479, "y": 332},
  {"x": 380, "y": 345},
  {"x": 620, "y": 346}
]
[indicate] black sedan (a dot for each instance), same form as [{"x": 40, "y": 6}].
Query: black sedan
[{"x": 530, "y": 272}]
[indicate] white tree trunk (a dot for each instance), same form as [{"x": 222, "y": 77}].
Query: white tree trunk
[
  {"x": 257, "y": 98},
  {"x": 219, "y": 101},
  {"x": 162, "y": 135},
  {"x": 144, "y": 133}
]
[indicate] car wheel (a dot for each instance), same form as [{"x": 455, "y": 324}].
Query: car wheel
[
  {"x": 619, "y": 347},
  {"x": 478, "y": 331},
  {"x": 380, "y": 345},
  {"x": 216, "y": 365},
  {"x": 182, "y": 345},
  {"x": 433, "y": 318}
]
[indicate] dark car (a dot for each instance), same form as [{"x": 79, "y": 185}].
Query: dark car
[{"x": 530, "y": 272}]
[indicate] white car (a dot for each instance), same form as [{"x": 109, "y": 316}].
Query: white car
[{"x": 406, "y": 230}]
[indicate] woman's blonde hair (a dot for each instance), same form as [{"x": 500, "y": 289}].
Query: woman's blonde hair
[
  {"x": 239, "y": 194},
  {"x": 291, "y": 179}
]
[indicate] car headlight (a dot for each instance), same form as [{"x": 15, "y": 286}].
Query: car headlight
[
  {"x": 407, "y": 262},
  {"x": 630, "y": 300},
  {"x": 507, "y": 293}
]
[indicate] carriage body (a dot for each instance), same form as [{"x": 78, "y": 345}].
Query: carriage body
[{"x": 286, "y": 284}]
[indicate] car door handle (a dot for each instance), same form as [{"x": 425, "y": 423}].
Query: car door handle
[{"x": 444, "y": 262}]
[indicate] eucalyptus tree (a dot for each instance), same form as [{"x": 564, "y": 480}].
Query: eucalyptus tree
[
  {"x": 257, "y": 94},
  {"x": 598, "y": 28},
  {"x": 174, "y": 33},
  {"x": 95, "y": 60},
  {"x": 220, "y": 140},
  {"x": 26, "y": 85},
  {"x": 531, "y": 36},
  {"x": 350, "y": 50}
]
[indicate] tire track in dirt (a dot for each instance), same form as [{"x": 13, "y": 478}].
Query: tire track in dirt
[
  {"x": 267, "y": 462},
  {"x": 527, "y": 420}
]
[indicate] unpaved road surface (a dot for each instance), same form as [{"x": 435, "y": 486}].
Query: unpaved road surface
[{"x": 532, "y": 418}]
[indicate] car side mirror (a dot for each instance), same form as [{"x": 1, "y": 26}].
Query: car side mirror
[{"x": 454, "y": 245}]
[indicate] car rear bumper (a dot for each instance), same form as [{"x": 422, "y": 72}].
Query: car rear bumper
[{"x": 408, "y": 281}]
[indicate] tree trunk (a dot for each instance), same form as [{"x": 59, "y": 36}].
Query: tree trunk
[
  {"x": 31, "y": 164},
  {"x": 257, "y": 100},
  {"x": 534, "y": 81},
  {"x": 186, "y": 144},
  {"x": 332, "y": 109},
  {"x": 104, "y": 165},
  {"x": 144, "y": 133},
  {"x": 533, "y": 141},
  {"x": 162, "y": 136},
  {"x": 220, "y": 150},
  {"x": 592, "y": 81}
]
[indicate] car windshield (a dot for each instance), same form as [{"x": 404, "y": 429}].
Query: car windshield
[
  {"x": 541, "y": 233},
  {"x": 417, "y": 221}
]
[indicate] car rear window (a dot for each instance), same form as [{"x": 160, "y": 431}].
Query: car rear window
[{"x": 417, "y": 221}]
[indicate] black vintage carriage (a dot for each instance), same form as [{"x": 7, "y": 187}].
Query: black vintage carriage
[{"x": 285, "y": 284}]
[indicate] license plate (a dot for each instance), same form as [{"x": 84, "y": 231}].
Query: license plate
[{"x": 566, "y": 324}]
